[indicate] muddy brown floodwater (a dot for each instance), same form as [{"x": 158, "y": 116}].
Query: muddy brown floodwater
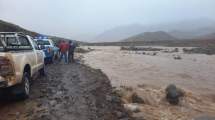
[
  {"x": 194, "y": 72},
  {"x": 146, "y": 74},
  {"x": 68, "y": 92}
]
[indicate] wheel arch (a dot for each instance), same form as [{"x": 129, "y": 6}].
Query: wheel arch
[{"x": 27, "y": 69}]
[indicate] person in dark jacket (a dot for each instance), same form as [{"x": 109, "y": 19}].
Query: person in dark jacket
[{"x": 72, "y": 47}]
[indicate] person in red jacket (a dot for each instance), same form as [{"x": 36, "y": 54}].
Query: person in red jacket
[{"x": 64, "y": 47}]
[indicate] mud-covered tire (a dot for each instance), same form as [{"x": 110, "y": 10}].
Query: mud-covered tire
[
  {"x": 22, "y": 90},
  {"x": 42, "y": 71}
]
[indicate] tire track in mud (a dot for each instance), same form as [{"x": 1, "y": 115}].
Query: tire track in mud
[{"x": 68, "y": 92}]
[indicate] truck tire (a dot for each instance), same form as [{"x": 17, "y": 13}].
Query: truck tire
[
  {"x": 42, "y": 71},
  {"x": 22, "y": 90}
]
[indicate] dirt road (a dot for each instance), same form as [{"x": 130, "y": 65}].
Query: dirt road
[{"x": 68, "y": 92}]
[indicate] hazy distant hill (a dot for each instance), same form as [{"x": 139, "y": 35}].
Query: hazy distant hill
[
  {"x": 150, "y": 36},
  {"x": 208, "y": 36},
  {"x": 119, "y": 33},
  {"x": 10, "y": 27},
  {"x": 193, "y": 33},
  {"x": 187, "y": 29}
]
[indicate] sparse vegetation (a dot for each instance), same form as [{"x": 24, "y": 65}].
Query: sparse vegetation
[
  {"x": 177, "y": 57},
  {"x": 135, "y": 48},
  {"x": 82, "y": 50},
  {"x": 173, "y": 43},
  {"x": 200, "y": 50}
]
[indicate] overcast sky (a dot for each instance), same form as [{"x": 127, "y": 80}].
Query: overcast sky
[{"x": 75, "y": 18}]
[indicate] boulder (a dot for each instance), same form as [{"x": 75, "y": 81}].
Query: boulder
[
  {"x": 177, "y": 57},
  {"x": 136, "y": 99},
  {"x": 132, "y": 107},
  {"x": 173, "y": 94}
]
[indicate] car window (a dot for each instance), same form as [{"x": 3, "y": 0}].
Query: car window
[
  {"x": 24, "y": 41},
  {"x": 35, "y": 45},
  {"x": 11, "y": 40},
  {"x": 1, "y": 46},
  {"x": 13, "y": 43},
  {"x": 43, "y": 42}
]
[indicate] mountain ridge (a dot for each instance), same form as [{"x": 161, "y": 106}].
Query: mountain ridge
[
  {"x": 11, "y": 27},
  {"x": 182, "y": 30},
  {"x": 150, "y": 36}
]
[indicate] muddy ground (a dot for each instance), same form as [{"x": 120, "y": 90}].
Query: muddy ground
[{"x": 68, "y": 92}]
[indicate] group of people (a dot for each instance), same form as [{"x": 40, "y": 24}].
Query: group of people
[{"x": 66, "y": 51}]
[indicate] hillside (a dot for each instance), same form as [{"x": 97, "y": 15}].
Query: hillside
[
  {"x": 10, "y": 27},
  {"x": 150, "y": 36},
  {"x": 195, "y": 33},
  {"x": 208, "y": 37}
]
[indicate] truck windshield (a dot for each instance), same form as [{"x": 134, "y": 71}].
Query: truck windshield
[{"x": 43, "y": 42}]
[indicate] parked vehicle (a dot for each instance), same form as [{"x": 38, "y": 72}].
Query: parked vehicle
[
  {"x": 20, "y": 60},
  {"x": 49, "y": 48}
]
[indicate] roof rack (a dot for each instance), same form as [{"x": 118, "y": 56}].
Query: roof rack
[{"x": 12, "y": 33}]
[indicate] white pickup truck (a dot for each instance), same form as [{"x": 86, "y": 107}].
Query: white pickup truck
[{"x": 20, "y": 60}]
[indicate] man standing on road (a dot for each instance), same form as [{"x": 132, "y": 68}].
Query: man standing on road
[
  {"x": 64, "y": 51},
  {"x": 72, "y": 47}
]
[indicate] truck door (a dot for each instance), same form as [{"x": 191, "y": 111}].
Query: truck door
[
  {"x": 29, "y": 51},
  {"x": 39, "y": 55}
]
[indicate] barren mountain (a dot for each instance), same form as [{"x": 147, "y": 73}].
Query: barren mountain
[
  {"x": 195, "y": 33},
  {"x": 186, "y": 29},
  {"x": 10, "y": 27},
  {"x": 150, "y": 36},
  {"x": 208, "y": 36}
]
